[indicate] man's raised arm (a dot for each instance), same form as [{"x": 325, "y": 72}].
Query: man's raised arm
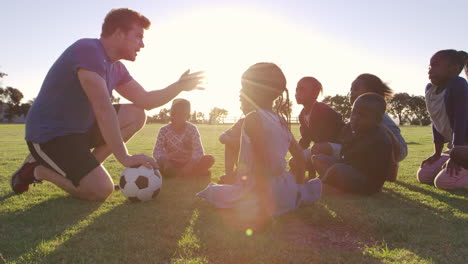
[{"x": 148, "y": 100}]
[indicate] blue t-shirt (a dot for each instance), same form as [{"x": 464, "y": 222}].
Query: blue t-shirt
[{"x": 62, "y": 107}]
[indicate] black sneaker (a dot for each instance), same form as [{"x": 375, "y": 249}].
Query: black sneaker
[{"x": 24, "y": 176}]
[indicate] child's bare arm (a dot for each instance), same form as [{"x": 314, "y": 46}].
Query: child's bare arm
[
  {"x": 231, "y": 141},
  {"x": 438, "y": 147},
  {"x": 232, "y": 136},
  {"x": 297, "y": 153}
]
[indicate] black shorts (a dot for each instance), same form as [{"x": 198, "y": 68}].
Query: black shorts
[{"x": 70, "y": 155}]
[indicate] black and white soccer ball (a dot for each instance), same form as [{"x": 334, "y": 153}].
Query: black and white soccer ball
[{"x": 140, "y": 184}]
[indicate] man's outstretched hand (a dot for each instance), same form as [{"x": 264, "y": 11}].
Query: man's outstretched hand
[{"x": 192, "y": 81}]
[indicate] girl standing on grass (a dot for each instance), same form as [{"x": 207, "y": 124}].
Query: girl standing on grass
[
  {"x": 263, "y": 187},
  {"x": 446, "y": 102}
]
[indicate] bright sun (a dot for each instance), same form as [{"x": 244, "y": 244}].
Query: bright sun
[
  {"x": 223, "y": 42},
  {"x": 226, "y": 41}
]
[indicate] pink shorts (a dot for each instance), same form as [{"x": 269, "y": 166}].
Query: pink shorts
[{"x": 433, "y": 173}]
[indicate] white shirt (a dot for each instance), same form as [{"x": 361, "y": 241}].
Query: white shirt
[{"x": 436, "y": 107}]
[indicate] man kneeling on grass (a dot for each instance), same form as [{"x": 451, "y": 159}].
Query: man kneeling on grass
[
  {"x": 73, "y": 113},
  {"x": 366, "y": 155}
]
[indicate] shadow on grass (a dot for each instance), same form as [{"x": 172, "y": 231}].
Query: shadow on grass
[
  {"x": 178, "y": 227},
  {"x": 146, "y": 232},
  {"x": 396, "y": 221},
  {"x": 4, "y": 197},
  {"x": 295, "y": 237},
  {"x": 451, "y": 200},
  {"x": 413, "y": 143},
  {"x": 23, "y": 231}
]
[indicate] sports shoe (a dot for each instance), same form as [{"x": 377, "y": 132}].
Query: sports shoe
[{"x": 24, "y": 176}]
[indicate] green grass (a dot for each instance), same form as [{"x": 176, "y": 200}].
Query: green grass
[{"x": 406, "y": 223}]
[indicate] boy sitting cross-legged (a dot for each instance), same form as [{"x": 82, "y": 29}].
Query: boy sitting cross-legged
[
  {"x": 366, "y": 155},
  {"x": 178, "y": 149}
]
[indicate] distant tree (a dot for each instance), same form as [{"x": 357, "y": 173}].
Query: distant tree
[
  {"x": 217, "y": 115},
  {"x": 152, "y": 119},
  {"x": 12, "y": 98},
  {"x": 161, "y": 117},
  {"x": 339, "y": 103},
  {"x": 164, "y": 115},
  {"x": 418, "y": 111},
  {"x": 11, "y": 95},
  {"x": 398, "y": 106}
]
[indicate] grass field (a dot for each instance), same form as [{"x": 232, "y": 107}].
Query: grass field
[{"x": 406, "y": 223}]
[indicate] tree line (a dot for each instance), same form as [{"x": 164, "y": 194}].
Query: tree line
[
  {"x": 408, "y": 109},
  {"x": 10, "y": 102},
  {"x": 216, "y": 116}
]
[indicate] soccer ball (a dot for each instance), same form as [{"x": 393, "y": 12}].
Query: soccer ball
[{"x": 140, "y": 184}]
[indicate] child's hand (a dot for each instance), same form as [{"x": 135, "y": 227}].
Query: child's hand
[
  {"x": 452, "y": 167},
  {"x": 431, "y": 159}
]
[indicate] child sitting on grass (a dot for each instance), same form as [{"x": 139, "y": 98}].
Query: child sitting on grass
[
  {"x": 366, "y": 154},
  {"x": 263, "y": 186},
  {"x": 231, "y": 141},
  {"x": 319, "y": 122},
  {"x": 178, "y": 149},
  {"x": 369, "y": 83},
  {"x": 446, "y": 102}
]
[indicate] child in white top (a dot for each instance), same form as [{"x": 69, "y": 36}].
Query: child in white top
[
  {"x": 263, "y": 186},
  {"x": 178, "y": 149}
]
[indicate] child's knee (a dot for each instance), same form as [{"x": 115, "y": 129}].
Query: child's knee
[
  {"x": 443, "y": 181},
  {"x": 207, "y": 161},
  {"x": 426, "y": 175}
]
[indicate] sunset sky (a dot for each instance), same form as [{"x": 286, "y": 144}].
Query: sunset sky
[{"x": 333, "y": 41}]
